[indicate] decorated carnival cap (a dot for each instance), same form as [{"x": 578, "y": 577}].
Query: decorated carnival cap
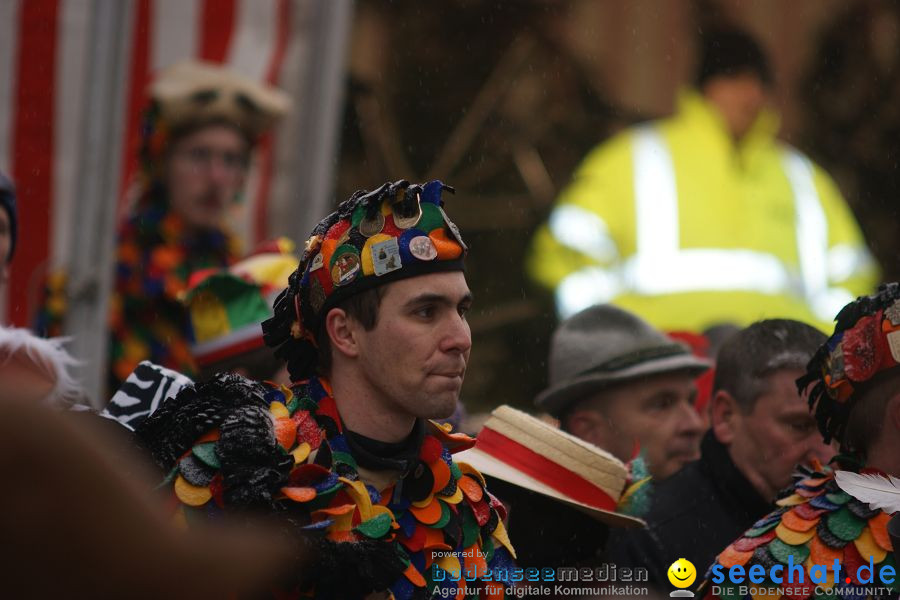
[
  {"x": 397, "y": 231},
  {"x": 866, "y": 341},
  {"x": 527, "y": 452},
  {"x": 227, "y": 306}
]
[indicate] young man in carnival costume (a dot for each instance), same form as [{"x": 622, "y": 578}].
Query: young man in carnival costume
[
  {"x": 853, "y": 382},
  {"x": 197, "y": 136},
  {"x": 372, "y": 328}
]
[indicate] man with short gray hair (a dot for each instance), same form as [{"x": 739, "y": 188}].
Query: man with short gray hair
[
  {"x": 761, "y": 429},
  {"x": 756, "y": 411}
]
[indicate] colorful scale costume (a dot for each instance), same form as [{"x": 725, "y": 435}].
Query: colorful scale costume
[
  {"x": 154, "y": 261},
  {"x": 232, "y": 444},
  {"x": 816, "y": 522}
]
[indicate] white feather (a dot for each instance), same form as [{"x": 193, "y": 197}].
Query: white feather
[{"x": 876, "y": 490}]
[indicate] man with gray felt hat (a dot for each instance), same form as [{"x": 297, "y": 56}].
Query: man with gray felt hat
[{"x": 626, "y": 387}]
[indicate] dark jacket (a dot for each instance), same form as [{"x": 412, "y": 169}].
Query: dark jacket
[{"x": 695, "y": 514}]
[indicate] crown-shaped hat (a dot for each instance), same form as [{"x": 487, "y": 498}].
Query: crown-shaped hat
[
  {"x": 397, "y": 231},
  {"x": 866, "y": 341}
]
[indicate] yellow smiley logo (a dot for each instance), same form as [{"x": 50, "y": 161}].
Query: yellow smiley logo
[{"x": 682, "y": 573}]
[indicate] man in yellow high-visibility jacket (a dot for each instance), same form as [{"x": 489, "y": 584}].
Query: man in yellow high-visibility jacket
[{"x": 705, "y": 217}]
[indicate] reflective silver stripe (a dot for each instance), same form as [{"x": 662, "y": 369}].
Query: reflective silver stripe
[
  {"x": 812, "y": 238},
  {"x": 705, "y": 269},
  {"x": 655, "y": 195},
  {"x": 811, "y": 227},
  {"x": 690, "y": 270},
  {"x": 584, "y": 288},
  {"x": 583, "y": 231},
  {"x": 661, "y": 266},
  {"x": 845, "y": 260}
]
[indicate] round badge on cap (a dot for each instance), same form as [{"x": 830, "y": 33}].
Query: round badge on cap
[
  {"x": 453, "y": 229},
  {"x": 422, "y": 248},
  {"x": 369, "y": 227},
  {"x": 407, "y": 221},
  {"x": 345, "y": 268}
]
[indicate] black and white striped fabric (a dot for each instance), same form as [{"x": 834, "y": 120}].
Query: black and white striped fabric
[{"x": 148, "y": 386}]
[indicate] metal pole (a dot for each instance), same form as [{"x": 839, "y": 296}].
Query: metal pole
[
  {"x": 313, "y": 138},
  {"x": 91, "y": 255}
]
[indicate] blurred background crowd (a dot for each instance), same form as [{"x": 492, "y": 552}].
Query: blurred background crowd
[
  {"x": 701, "y": 164},
  {"x": 499, "y": 99}
]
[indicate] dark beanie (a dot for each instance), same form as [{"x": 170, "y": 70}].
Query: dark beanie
[
  {"x": 731, "y": 52},
  {"x": 8, "y": 201}
]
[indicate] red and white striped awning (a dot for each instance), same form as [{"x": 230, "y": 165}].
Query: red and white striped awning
[{"x": 44, "y": 80}]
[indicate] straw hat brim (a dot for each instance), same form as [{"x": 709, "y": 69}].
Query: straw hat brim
[{"x": 488, "y": 465}]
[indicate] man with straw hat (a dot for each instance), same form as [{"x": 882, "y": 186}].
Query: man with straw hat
[{"x": 562, "y": 492}]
